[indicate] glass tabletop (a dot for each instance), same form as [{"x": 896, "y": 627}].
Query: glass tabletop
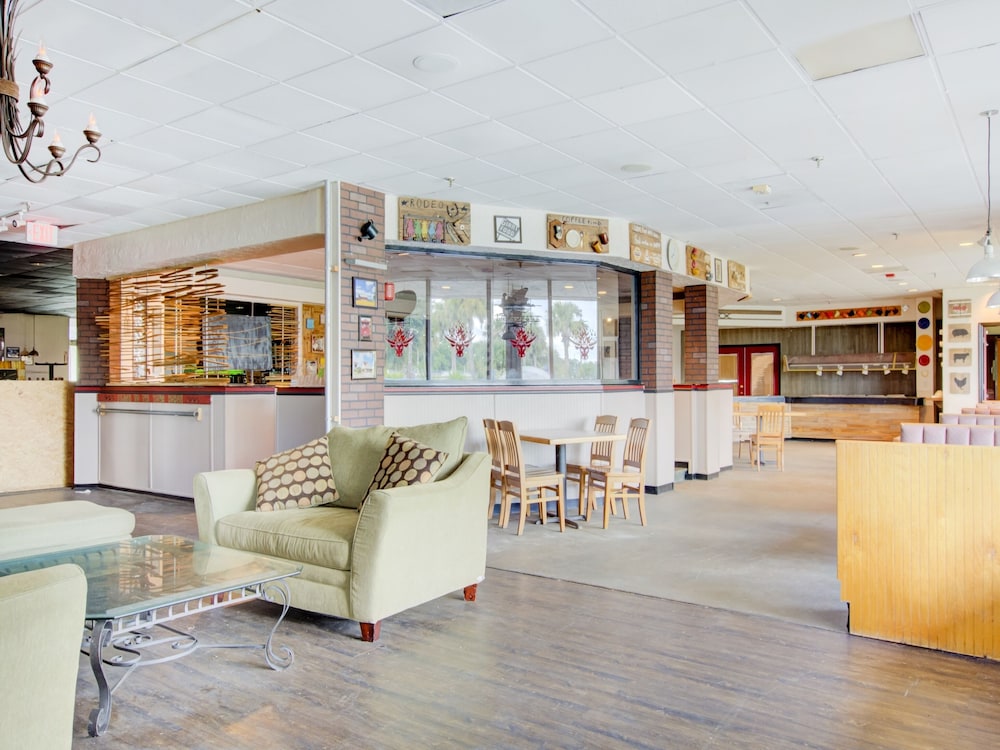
[{"x": 142, "y": 573}]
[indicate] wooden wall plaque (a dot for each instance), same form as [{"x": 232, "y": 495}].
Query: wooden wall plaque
[
  {"x": 577, "y": 233},
  {"x": 645, "y": 245},
  {"x": 737, "y": 275},
  {"x": 432, "y": 220},
  {"x": 699, "y": 263}
]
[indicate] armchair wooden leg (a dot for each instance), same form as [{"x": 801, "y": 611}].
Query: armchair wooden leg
[
  {"x": 469, "y": 592},
  {"x": 370, "y": 631}
]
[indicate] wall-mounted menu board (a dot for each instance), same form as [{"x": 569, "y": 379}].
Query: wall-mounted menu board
[
  {"x": 432, "y": 220},
  {"x": 580, "y": 233},
  {"x": 645, "y": 245},
  {"x": 699, "y": 263}
]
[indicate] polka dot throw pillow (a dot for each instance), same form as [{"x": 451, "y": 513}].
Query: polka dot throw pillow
[
  {"x": 406, "y": 462},
  {"x": 297, "y": 478}
]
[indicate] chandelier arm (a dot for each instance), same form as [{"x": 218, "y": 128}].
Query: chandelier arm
[
  {"x": 17, "y": 146},
  {"x": 39, "y": 173}
]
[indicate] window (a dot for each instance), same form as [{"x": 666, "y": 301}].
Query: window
[{"x": 468, "y": 319}]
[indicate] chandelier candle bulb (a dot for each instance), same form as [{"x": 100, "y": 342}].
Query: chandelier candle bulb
[
  {"x": 41, "y": 60},
  {"x": 56, "y": 148}
]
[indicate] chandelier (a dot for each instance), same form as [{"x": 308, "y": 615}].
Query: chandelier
[{"x": 17, "y": 142}]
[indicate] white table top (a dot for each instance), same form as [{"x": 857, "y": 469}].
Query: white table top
[{"x": 565, "y": 436}]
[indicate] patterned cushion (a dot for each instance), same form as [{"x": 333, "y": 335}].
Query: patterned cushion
[
  {"x": 297, "y": 478},
  {"x": 405, "y": 462}
]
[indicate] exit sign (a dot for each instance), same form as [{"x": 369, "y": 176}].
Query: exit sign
[{"x": 42, "y": 234}]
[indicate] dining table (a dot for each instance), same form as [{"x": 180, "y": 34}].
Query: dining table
[{"x": 560, "y": 438}]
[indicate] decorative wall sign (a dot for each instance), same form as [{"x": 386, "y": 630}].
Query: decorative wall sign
[
  {"x": 431, "y": 220},
  {"x": 584, "y": 339},
  {"x": 362, "y": 364},
  {"x": 506, "y": 228},
  {"x": 959, "y": 382},
  {"x": 364, "y": 292},
  {"x": 699, "y": 263},
  {"x": 960, "y": 308},
  {"x": 959, "y": 334},
  {"x": 925, "y": 348},
  {"x": 848, "y": 313},
  {"x": 960, "y": 356},
  {"x": 579, "y": 233},
  {"x": 737, "y": 275},
  {"x": 522, "y": 341},
  {"x": 645, "y": 245}
]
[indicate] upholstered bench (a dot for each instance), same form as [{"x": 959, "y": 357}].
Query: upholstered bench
[
  {"x": 990, "y": 420},
  {"x": 949, "y": 434},
  {"x": 50, "y": 527}
]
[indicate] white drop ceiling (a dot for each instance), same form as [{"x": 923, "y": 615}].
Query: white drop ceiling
[{"x": 206, "y": 106}]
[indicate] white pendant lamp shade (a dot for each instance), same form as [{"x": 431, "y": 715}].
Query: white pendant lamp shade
[
  {"x": 986, "y": 268},
  {"x": 994, "y": 300}
]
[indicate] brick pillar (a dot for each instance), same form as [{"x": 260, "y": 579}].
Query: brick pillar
[
  {"x": 701, "y": 334},
  {"x": 656, "y": 334},
  {"x": 91, "y": 301},
  {"x": 362, "y": 401}
]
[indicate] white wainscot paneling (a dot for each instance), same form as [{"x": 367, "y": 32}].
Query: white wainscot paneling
[
  {"x": 124, "y": 452},
  {"x": 86, "y": 439},
  {"x": 180, "y": 447}
]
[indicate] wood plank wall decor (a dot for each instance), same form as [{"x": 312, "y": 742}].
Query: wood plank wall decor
[
  {"x": 737, "y": 275},
  {"x": 699, "y": 263},
  {"x": 917, "y": 539},
  {"x": 154, "y": 331},
  {"x": 577, "y": 233},
  {"x": 645, "y": 245},
  {"x": 431, "y": 220}
]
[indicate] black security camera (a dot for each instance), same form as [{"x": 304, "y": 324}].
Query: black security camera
[{"x": 368, "y": 231}]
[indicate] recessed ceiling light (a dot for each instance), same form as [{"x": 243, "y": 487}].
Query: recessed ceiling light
[
  {"x": 445, "y": 286},
  {"x": 435, "y": 63},
  {"x": 902, "y": 283},
  {"x": 911, "y": 290},
  {"x": 860, "y": 255},
  {"x": 878, "y": 265},
  {"x": 775, "y": 299},
  {"x": 635, "y": 168},
  {"x": 568, "y": 286},
  {"x": 866, "y": 47},
  {"x": 966, "y": 244},
  {"x": 601, "y": 293}
]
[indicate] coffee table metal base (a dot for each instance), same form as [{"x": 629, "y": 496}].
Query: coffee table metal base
[{"x": 134, "y": 643}]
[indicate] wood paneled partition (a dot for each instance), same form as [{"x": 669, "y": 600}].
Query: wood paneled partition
[{"x": 918, "y": 530}]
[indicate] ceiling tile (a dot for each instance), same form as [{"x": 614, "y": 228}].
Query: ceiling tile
[
  {"x": 531, "y": 159},
  {"x": 178, "y": 19},
  {"x": 642, "y": 102},
  {"x": 628, "y": 16},
  {"x": 426, "y": 114},
  {"x": 355, "y": 26},
  {"x": 561, "y": 120},
  {"x": 197, "y": 74},
  {"x": 268, "y": 46},
  {"x": 246, "y": 162},
  {"x": 228, "y": 126},
  {"x": 360, "y": 132},
  {"x": 142, "y": 99},
  {"x": 420, "y": 154},
  {"x": 484, "y": 138},
  {"x": 282, "y": 105},
  {"x": 721, "y": 33},
  {"x": 594, "y": 68},
  {"x": 356, "y": 84},
  {"x": 796, "y": 24},
  {"x": 745, "y": 78},
  {"x": 554, "y": 26},
  {"x": 470, "y": 60},
  {"x": 299, "y": 148},
  {"x": 961, "y": 25},
  {"x": 505, "y": 92}
]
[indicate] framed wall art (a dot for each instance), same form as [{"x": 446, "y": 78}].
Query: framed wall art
[
  {"x": 959, "y": 334},
  {"x": 506, "y": 228},
  {"x": 364, "y": 328},
  {"x": 718, "y": 276},
  {"x": 362, "y": 364},
  {"x": 960, "y": 308},
  {"x": 365, "y": 292}
]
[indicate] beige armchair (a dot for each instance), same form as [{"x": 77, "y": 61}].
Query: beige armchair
[{"x": 40, "y": 635}]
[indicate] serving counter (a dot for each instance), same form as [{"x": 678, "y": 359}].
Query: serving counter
[
  {"x": 852, "y": 417},
  {"x": 156, "y": 438}
]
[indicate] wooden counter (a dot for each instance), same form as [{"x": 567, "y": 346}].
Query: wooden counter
[
  {"x": 917, "y": 536},
  {"x": 851, "y": 417}
]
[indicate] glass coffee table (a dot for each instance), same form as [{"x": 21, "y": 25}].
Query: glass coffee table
[{"x": 136, "y": 587}]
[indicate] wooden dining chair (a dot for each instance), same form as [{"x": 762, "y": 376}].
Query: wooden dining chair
[
  {"x": 527, "y": 486},
  {"x": 770, "y": 434},
  {"x": 628, "y": 481},
  {"x": 491, "y": 429},
  {"x": 602, "y": 456},
  {"x": 744, "y": 426}
]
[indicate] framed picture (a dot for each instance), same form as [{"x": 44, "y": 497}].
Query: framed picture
[
  {"x": 365, "y": 292},
  {"x": 362, "y": 364},
  {"x": 959, "y": 382},
  {"x": 364, "y": 328},
  {"x": 317, "y": 344},
  {"x": 960, "y": 356},
  {"x": 960, "y": 308},
  {"x": 718, "y": 275},
  {"x": 959, "y": 334},
  {"x": 506, "y": 228},
  {"x": 13, "y": 352}
]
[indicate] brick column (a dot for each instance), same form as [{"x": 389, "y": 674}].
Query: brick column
[
  {"x": 91, "y": 301},
  {"x": 362, "y": 401},
  {"x": 701, "y": 334},
  {"x": 656, "y": 334}
]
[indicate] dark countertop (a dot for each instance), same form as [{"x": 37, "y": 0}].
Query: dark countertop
[{"x": 857, "y": 400}]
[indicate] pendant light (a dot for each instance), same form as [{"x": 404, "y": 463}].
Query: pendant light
[{"x": 986, "y": 268}]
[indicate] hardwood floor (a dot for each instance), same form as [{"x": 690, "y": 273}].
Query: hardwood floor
[{"x": 539, "y": 662}]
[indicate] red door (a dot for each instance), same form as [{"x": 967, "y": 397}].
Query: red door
[{"x": 751, "y": 369}]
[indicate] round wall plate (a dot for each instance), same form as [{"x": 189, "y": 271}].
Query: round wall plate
[{"x": 674, "y": 259}]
